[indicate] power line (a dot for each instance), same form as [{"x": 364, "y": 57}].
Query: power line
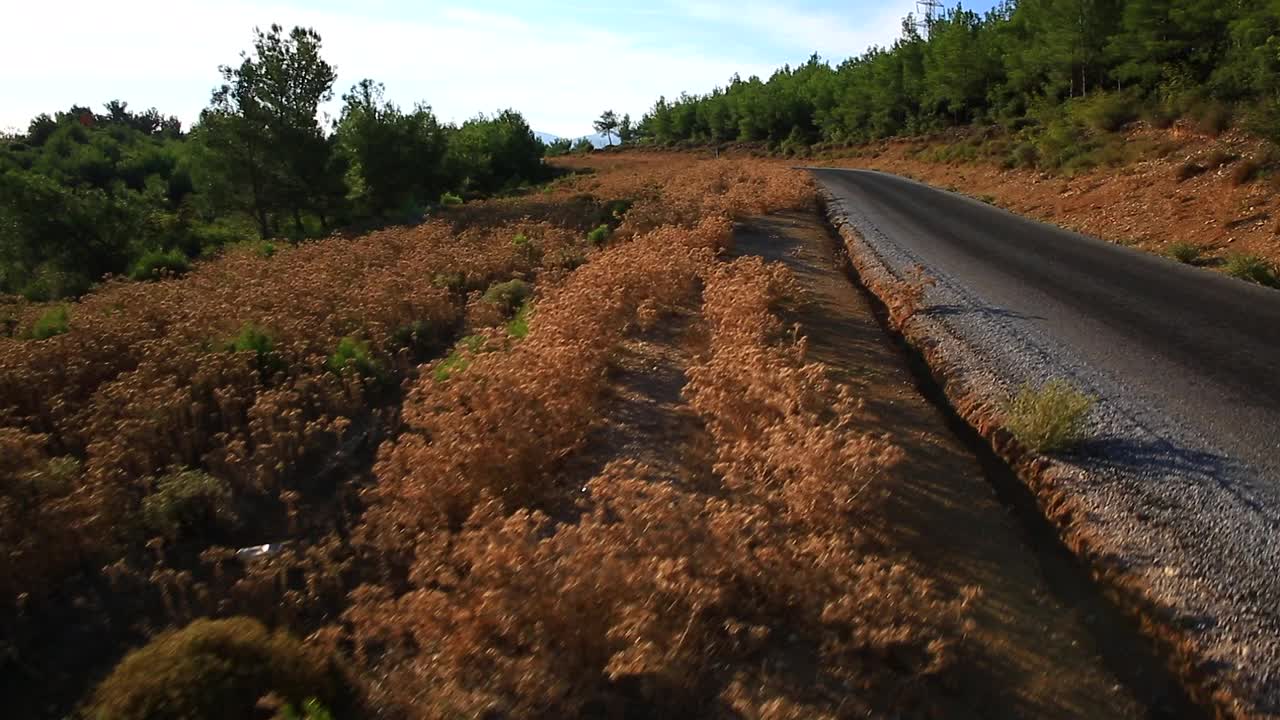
[{"x": 926, "y": 12}]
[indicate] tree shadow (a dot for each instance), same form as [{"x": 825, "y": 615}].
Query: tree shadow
[
  {"x": 986, "y": 311},
  {"x": 1136, "y": 458}
]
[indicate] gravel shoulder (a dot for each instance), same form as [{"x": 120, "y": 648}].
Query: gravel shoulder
[{"x": 1174, "y": 497}]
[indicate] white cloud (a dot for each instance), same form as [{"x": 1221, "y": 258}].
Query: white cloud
[
  {"x": 166, "y": 53},
  {"x": 835, "y": 36}
]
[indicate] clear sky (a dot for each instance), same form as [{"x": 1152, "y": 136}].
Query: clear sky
[{"x": 560, "y": 63}]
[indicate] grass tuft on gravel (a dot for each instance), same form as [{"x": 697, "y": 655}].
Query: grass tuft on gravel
[
  {"x": 1048, "y": 419},
  {"x": 1185, "y": 252},
  {"x": 1252, "y": 268}
]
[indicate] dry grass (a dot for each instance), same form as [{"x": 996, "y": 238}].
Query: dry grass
[{"x": 470, "y": 579}]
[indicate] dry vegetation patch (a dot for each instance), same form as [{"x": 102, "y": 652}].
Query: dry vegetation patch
[{"x": 175, "y": 420}]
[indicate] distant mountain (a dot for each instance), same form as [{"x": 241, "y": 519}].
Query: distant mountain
[{"x": 597, "y": 139}]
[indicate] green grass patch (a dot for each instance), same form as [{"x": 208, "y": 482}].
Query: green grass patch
[
  {"x": 158, "y": 264},
  {"x": 599, "y": 236},
  {"x": 1047, "y": 419},
  {"x": 1185, "y": 252},
  {"x": 518, "y": 326},
  {"x": 459, "y": 359},
  {"x": 54, "y": 321},
  {"x": 255, "y": 339},
  {"x": 353, "y": 353},
  {"x": 1251, "y": 268}
]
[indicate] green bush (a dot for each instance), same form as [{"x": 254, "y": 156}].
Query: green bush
[
  {"x": 1024, "y": 155},
  {"x": 450, "y": 200},
  {"x": 187, "y": 502},
  {"x": 1184, "y": 252},
  {"x": 220, "y": 670},
  {"x": 598, "y": 236},
  {"x": 518, "y": 327},
  {"x": 422, "y": 338},
  {"x": 54, "y": 321},
  {"x": 156, "y": 264},
  {"x": 1048, "y": 419},
  {"x": 353, "y": 353},
  {"x": 1251, "y": 268},
  {"x": 255, "y": 339},
  {"x": 453, "y": 282},
  {"x": 1061, "y": 143},
  {"x": 1110, "y": 112},
  {"x": 508, "y": 295}
]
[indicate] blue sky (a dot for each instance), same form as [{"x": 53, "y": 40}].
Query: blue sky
[{"x": 560, "y": 63}]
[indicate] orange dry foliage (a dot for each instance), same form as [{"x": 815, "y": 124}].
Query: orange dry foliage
[
  {"x": 149, "y": 378},
  {"x": 520, "y": 596},
  {"x": 472, "y": 578}
]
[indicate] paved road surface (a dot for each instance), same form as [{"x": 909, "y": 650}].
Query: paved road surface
[{"x": 1186, "y": 364}]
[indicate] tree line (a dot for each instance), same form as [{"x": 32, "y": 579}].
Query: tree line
[
  {"x": 86, "y": 194},
  {"x": 1018, "y": 65}
]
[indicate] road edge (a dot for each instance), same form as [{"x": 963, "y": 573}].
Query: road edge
[{"x": 1201, "y": 678}]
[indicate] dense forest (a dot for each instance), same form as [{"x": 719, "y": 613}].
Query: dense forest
[
  {"x": 1050, "y": 68},
  {"x": 85, "y": 194}
]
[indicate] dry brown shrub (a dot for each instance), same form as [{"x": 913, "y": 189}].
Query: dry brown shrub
[
  {"x": 145, "y": 379},
  {"x": 522, "y": 597}
]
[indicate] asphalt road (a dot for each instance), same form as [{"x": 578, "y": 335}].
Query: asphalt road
[{"x": 1185, "y": 363}]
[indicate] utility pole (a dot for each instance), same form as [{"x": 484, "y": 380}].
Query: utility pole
[{"x": 926, "y": 12}]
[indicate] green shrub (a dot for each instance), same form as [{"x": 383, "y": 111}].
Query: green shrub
[
  {"x": 220, "y": 670},
  {"x": 598, "y": 236},
  {"x": 156, "y": 264},
  {"x": 265, "y": 249},
  {"x": 508, "y": 295},
  {"x": 1251, "y": 268},
  {"x": 1110, "y": 112},
  {"x": 1060, "y": 144},
  {"x": 312, "y": 709},
  {"x": 615, "y": 210},
  {"x": 453, "y": 282},
  {"x": 526, "y": 247},
  {"x": 1184, "y": 252},
  {"x": 1048, "y": 419},
  {"x": 255, "y": 339},
  {"x": 353, "y": 353},
  {"x": 1024, "y": 155},
  {"x": 54, "y": 321},
  {"x": 450, "y": 200},
  {"x": 518, "y": 327},
  {"x": 187, "y": 502},
  {"x": 460, "y": 358},
  {"x": 422, "y": 338}
]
